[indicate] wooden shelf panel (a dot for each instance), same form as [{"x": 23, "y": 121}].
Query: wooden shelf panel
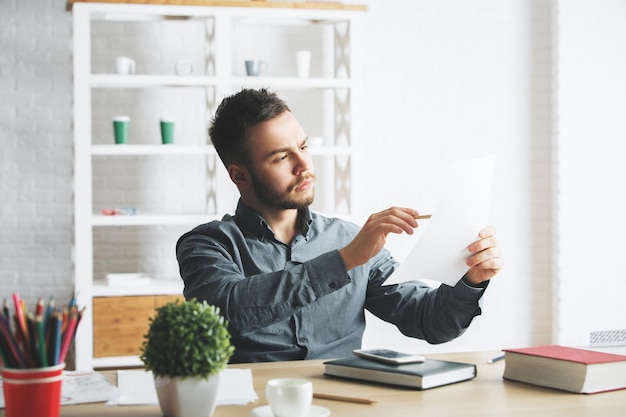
[
  {"x": 121, "y": 322},
  {"x": 322, "y": 5}
]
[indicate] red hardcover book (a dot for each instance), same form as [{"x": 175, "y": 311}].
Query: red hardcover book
[{"x": 566, "y": 368}]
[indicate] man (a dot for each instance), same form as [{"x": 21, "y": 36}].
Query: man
[{"x": 293, "y": 284}]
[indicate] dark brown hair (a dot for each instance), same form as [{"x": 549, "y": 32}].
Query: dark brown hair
[{"x": 235, "y": 115}]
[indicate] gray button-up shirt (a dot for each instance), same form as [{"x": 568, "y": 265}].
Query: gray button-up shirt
[{"x": 297, "y": 301}]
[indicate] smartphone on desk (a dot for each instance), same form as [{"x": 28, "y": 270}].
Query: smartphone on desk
[{"x": 388, "y": 356}]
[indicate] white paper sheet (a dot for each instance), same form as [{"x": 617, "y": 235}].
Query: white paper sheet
[
  {"x": 86, "y": 387},
  {"x": 462, "y": 211},
  {"x": 137, "y": 388},
  {"x": 236, "y": 387}
]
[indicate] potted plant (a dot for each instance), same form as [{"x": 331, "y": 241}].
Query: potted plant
[{"x": 186, "y": 347}]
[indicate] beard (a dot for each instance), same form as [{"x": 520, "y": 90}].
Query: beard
[{"x": 281, "y": 199}]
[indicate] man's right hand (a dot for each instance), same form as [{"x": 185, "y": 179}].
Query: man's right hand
[{"x": 373, "y": 235}]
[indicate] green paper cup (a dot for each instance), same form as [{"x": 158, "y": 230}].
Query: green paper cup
[
  {"x": 167, "y": 131},
  {"x": 120, "y": 129}
]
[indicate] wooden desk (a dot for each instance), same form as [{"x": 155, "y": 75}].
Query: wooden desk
[{"x": 487, "y": 395}]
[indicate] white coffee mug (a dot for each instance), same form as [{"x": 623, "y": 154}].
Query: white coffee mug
[
  {"x": 124, "y": 65},
  {"x": 289, "y": 397},
  {"x": 303, "y": 63},
  {"x": 255, "y": 67}
]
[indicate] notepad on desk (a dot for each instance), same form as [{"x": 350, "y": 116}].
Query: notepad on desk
[{"x": 425, "y": 375}]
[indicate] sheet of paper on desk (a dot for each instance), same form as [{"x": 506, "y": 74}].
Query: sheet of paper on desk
[
  {"x": 236, "y": 387},
  {"x": 86, "y": 387},
  {"x": 137, "y": 387},
  {"x": 462, "y": 211}
]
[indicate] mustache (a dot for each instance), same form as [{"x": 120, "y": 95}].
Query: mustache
[{"x": 305, "y": 178}]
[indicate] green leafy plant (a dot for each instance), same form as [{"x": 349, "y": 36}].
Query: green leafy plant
[{"x": 186, "y": 339}]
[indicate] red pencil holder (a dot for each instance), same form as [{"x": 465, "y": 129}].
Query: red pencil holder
[{"x": 34, "y": 392}]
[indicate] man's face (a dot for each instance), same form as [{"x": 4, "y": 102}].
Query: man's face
[{"x": 282, "y": 167}]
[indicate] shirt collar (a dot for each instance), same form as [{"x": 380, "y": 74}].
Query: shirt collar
[{"x": 254, "y": 223}]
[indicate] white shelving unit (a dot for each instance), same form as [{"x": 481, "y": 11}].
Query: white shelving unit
[{"x": 326, "y": 104}]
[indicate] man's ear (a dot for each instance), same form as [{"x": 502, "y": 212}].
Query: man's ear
[{"x": 238, "y": 174}]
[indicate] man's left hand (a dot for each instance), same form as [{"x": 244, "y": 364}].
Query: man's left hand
[{"x": 485, "y": 258}]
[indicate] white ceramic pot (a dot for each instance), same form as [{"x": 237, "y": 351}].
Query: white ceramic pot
[{"x": 188, "y": 397}]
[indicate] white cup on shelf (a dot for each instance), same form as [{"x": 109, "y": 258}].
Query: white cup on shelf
[
  {"x": 303, "y": 63},
  {"x": 124, "y": 65},
  {"x": 254, "y": 67}
]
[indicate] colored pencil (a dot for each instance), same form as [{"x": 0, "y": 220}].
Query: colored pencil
[
  {"x": 33, "y": 345},
  {"x": 5, "y": 330},
  {"x": 56, "y": 349},
  {"x": 19, "y": 313},
  {"x": 40, "y": 338},
  {"x": 41, "y": 342},
  {"x": 39, "y": 308},
  {"x": 68, "y": 334},
  {"x": 7, "y": 360},
  {"x": 21, "y": 337},
  {"x": 72, "y": 302},
  {"x": 496, "y": 359},
  {"x": 48, "y": 314}
]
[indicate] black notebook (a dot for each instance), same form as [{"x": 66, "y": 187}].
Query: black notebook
[{"x": 428, "y": 374}]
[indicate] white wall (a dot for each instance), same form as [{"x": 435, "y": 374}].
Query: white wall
[
  {"x": 470, "y": 79},
  {"x": 591, "y": 137},
  {"x": 462, "y": 79}
]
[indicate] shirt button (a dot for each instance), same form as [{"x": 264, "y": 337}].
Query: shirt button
[
  {"x": 303, "y": 340},
  {"x": 332, "y": 285}
]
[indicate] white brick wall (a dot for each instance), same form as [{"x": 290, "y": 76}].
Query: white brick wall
[
  {"x": 36, "y": 149},
  {"x": 470, "y": 78}
]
